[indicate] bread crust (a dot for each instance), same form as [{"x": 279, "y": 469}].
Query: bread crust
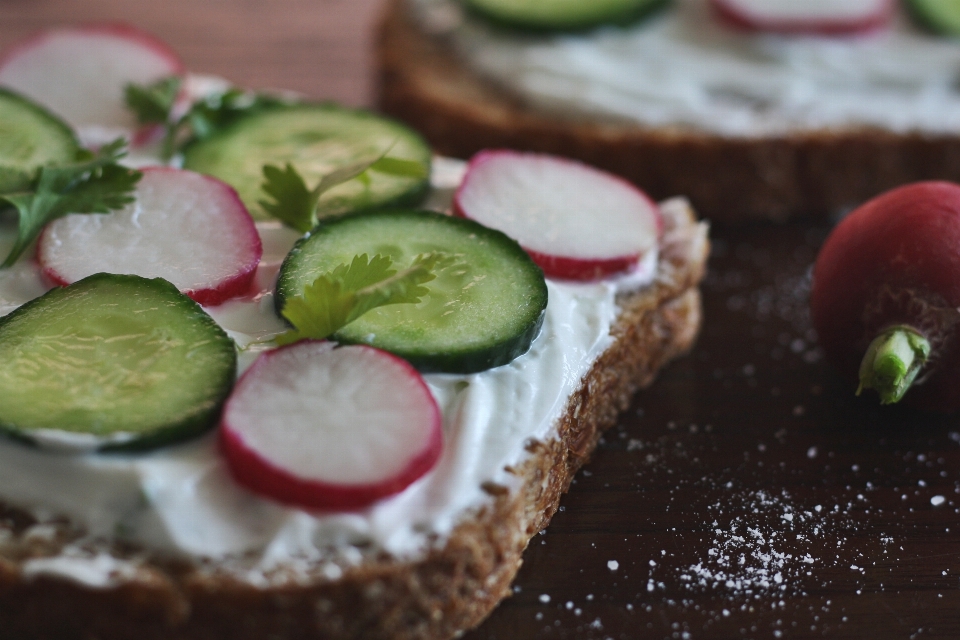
[
  {"x": 453, "y": 588},
  {"x": 728, "y": 179}
]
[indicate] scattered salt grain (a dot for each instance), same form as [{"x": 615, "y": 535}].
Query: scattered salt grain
[
  {"x": 544, "y": 598},
  {"x": 937, "y": 500},
  {"x": 613, "y": 565},
  {"x": 332, "y": 571}
]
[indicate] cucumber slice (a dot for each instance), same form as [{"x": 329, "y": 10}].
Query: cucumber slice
[
  {"x": 31, "y": 136},
  {"x": 942, "y": 16},
  {"x": 564, "y": 15},
  {"x": 316, "y": 140},
  {"x": 482, "y": 313},
  {"x": 112, "y": 362}
]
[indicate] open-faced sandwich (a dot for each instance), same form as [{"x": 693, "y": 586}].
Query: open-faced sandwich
[
  {"x": 443, "y": 371},
  {"x": 751, "y": 108}
]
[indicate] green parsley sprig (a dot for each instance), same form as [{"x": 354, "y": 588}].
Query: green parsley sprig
[
  {"x": 299, "y": 207},
  {"x": 336, "y": 299},
  {"x": 92, "y": 183}
]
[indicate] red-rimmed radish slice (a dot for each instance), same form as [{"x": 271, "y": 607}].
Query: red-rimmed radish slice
[
  {"x": 185, "y": 227},
  {"x": 80, "y": 74},
  {"x": 575, "y": 221},
  {"x": 806, "y": 16},
  {"x": 333, "y": 428}
]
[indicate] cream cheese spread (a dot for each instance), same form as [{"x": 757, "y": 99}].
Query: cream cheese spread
[
  {"x": 181, "y": 500},
  {"x": 683, "y": 67}
]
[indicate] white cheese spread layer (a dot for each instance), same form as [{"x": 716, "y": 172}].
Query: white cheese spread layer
[
  {"x": 181, "y": 500},
  {"x": 685, "y": 68}
]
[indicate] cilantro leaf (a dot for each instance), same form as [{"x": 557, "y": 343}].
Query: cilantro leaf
[
  {"x": 14, "y": 179},
  {"x": 92, "y": 183},
  {"x": 299, "y": 207},
  {"x": 156, "y": 104},
  {"x": 399, "y": 167},
  {"x": 356, "y": 276},
  {"x": 293, "y": 203},
  {"x": 336, "y": 299},
  {"x": 153, "y": 103},
  {"x": 205, "y": 117}
]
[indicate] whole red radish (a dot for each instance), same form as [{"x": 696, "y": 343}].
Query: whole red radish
[
  {"x": 886, "y": 295},
  {"x": 826, "y": 17},
  {"x": 334, "y": 428}
]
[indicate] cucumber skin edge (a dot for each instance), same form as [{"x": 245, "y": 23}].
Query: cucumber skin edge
[
  {"x": 464, "y": 362},
  {"x": 627, "y": 18},
  {"x": 921, "y": 16},
  {"x": 412, "y": 196},
  {"x": 189, "y": 427},
  {"x": 43, "y": 111},
  {"x": 472, "y": 361}
]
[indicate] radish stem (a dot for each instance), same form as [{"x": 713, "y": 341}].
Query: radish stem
[{"x": 892, "y": 362}]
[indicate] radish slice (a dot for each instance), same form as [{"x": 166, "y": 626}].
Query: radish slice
[
  {"x": 807, "y": 16},
  {"x": 575, "y": 221},
  {"x": 330, "y": 428},
  {"x": 80, "y": 74},
  {"x": 185, "y": 227}
]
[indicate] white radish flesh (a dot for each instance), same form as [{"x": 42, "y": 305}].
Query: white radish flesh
[
  {"x": 80, "y": 74},
  {"x": 814, "y": 16},
  {"x": 187, "y": 228},
  {"x": 575, "y": 221},
  {"x": 330, "y": 428}
]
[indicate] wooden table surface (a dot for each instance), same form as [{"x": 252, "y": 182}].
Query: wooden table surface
[{"x": 747, "y": 494}]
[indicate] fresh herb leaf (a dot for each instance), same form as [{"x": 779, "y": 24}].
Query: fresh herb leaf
[
  {"x": 92, "y": 183},
  {"x": 216, "y": 111},
  {"x": 153, "y": 103},
  {"x": 293, "y": 203},
  {"x": 336, "y": 299},
  {"x": 299, "y": 206},
  {"x": 14, "y": 179},
  {"x": 399, "y": 167}
]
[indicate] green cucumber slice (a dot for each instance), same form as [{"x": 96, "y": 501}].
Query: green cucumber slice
[
  {"x": 942, "y": 16},
  {"x": 316, "y": 140},
  {"x": 564, "y": 15},
  {"x": 31, "y": 136},
  {"x": 112, "y": 362},
  {"x": 482, "y": 313}
]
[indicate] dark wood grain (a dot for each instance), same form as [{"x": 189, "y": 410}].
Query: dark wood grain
[
  {"x": 828, "y": 508},
  {"x": 752, "y": 448}
]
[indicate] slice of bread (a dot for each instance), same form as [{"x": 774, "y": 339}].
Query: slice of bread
[
  {"x": 812, "y": 172},
  {"x": 450, "y": 588}
]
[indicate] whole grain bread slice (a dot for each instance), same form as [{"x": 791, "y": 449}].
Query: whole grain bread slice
[
  {"x": 453, "y": 587},
  {"x": 728, "y": 179}
]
